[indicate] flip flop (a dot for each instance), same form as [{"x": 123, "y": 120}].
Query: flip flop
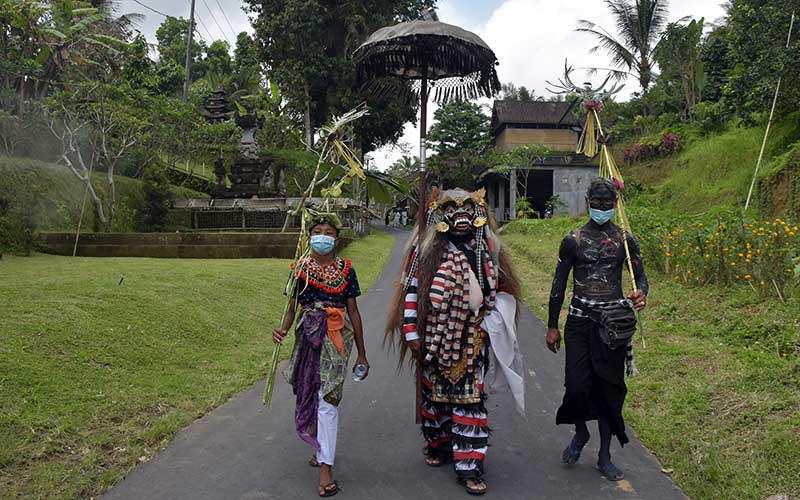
[
  {"x": 572, "y": 453},
  {"x": 313, "y": 461},
  {"x": 610, "y": 472},
  {"x": 329, "y": 490},
  {"x": 472, "y": 490}
]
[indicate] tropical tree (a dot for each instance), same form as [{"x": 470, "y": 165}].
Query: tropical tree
[
  {"x": 639, "y": 26},
  {"x": 678, "y": 56},
  {"x": 511, "y": 92},
  {"x": 308, "y": 46},
  {"x": 459, "y": 137}
]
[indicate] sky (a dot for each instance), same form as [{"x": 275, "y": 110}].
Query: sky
[{"x": 531, "y": 38}]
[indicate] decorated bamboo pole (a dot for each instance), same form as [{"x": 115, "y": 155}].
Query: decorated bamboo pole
[
  {"x": 335, "y": 151},
  {"x": 609, "y": 170}
]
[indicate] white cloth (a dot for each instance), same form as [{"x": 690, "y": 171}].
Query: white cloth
[
  {"x": 327, "y": 428},
  {"x": 505, "y": 360}
]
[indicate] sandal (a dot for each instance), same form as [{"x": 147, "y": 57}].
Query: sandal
[
  {"x": 329, "y": 489},
  {"x": 435, "y": 459},
  {"x": 478, "y": 486},
  {"x": 572, "y": 453},
  {"x": 313, "y": 461},
  {"x": 610, "y": 472}
]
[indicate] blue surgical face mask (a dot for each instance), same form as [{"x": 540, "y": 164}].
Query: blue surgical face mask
[
  {"x": 601, "y": 216},
  {"x": 323, "y": 244}
]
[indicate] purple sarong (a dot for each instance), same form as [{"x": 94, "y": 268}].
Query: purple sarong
[{"x": 305, "y": 378}]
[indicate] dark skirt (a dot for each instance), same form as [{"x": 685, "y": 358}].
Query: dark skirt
[{"x": 595, "y": 378}]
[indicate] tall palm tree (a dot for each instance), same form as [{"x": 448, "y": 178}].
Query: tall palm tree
[{"x": 639, "y": 26}]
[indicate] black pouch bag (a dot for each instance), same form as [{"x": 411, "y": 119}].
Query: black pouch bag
[{"x": 617, "y": 323}]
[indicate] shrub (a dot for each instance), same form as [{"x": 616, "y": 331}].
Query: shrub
[
  {"x": 17, "y": 226},
  {"x": 651, "y": 148},
  {"x": 723, "y": 249}
]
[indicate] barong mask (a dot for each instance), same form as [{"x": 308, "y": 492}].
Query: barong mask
[{"x": 457, "y": 211}]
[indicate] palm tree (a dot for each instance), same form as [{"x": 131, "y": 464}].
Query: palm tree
[{"x": 639, "y": 26}]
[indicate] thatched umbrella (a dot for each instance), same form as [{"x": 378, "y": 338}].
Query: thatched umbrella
[{"x": 440, "y": 60}]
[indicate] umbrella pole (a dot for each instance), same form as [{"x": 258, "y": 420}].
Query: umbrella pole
[{"x": 422, "y": 208}]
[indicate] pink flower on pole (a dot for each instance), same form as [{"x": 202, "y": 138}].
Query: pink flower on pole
[
  {"x": 594, "y": 106},
  {"x": 619, "y": 183}
]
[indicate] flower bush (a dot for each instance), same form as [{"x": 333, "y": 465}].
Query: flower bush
[
  {"x": 723, "y": 249},
  {"x": 651, "y": 148}
]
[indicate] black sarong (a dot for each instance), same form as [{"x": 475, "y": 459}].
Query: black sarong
[{"x": 595, "y": 378}]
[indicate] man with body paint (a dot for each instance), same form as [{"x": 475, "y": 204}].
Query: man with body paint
[{"x": 595, "y": 380}]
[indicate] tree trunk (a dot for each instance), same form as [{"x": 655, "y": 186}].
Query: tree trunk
[
  {"x": 21, "y": 106},
  {"x": 307, "y": 117},
  {"x": 112, "y": 198}
]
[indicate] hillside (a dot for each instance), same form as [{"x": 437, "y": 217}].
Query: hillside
[
  {"x": 716, "y": 170},
  {"x": 50, "y": 195}
]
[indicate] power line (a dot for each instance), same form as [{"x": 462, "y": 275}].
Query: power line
[
  {"x": 152, "y": 9},
  {"x": 214, "y": 18},
  {"x": 226, "y": 18},
  {"x": 210, "y": 38}
]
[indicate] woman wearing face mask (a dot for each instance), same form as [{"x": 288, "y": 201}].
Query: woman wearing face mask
[
  {"x": 595, "y": 383},
  {"x": 324, "y": 300}
]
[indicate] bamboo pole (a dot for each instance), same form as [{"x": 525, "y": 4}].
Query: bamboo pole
[
  {"x": 614, "y": 173},
  {"x": 769, "y": 123}
]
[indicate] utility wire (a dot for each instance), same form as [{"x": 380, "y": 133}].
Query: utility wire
[
  {"x": 226, "y": 18},
  {"x": 214, "y": 18},
  {"x": 152, "y": 9},
  {"x": 210, "y": 38}
]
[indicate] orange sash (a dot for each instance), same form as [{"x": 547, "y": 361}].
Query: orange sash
[{"x": 335, "y": 325}]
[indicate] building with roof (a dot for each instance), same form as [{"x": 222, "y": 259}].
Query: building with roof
[{"x": 562, "y": 176}]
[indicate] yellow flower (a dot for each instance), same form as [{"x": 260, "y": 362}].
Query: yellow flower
[
  {"x": 762, "y": 283},
  {"x": 791, "y": 233},
  {"x": 747, "y": 277}
]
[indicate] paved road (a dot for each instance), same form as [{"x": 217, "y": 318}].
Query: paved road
[{"x": 243, "y": 450}]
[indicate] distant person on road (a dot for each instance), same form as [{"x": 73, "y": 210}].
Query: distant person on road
[
  {"x": 455, "y": 309},
  {"x": 600, "y": 323},
  {"x": 386, "y": 217},
  {"x": 404, "y": 218},
  {"x": 329, "y": 322},
  {"x": 397, "y": 218}
]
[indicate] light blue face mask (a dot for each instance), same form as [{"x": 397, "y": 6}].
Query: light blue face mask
[
  {"x": 601, "y": 216},
  {"x": 323, "y": 244}
]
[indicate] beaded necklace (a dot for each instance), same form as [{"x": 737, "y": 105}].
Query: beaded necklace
[{"x": 330, "y": 278}]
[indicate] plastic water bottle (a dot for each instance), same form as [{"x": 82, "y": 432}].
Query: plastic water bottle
[{"x": 358, "y": 374}]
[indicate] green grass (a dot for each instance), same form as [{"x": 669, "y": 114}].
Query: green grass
[
  {"x": 99, "y": 372},
  {"x": 714, "y": 170},
  {"x": 53, "y": 194},
  {"x": 714, "y": 402}
]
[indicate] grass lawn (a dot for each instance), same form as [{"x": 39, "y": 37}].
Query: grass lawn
[
  {"x": 102, "y": 361},
  {"x": 714, "y": 401}
]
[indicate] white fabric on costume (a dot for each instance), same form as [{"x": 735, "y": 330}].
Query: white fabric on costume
[
  {"x": 327, "y": 428},
  {"x": 505, "y": 363}
]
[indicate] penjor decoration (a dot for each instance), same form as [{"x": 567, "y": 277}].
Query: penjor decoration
[
  {"x": 332, "y": 151},
  {"x": 593, "y": 140}
]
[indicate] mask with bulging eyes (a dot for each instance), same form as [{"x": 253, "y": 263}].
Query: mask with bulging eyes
[{"x": 460, "y": 217}]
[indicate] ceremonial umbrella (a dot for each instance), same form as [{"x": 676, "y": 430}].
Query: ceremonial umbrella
[
  {"x": 451, "y": 62},
  {"x": 439, "y": 60}
]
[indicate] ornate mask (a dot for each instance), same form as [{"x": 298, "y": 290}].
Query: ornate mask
[{"x": 457, "y": 211}]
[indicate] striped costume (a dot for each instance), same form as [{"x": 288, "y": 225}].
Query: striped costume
[{"x": 455, "y": 420}]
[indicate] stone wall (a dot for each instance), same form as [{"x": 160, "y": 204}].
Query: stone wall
[{"x": 219, "y": 245}]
